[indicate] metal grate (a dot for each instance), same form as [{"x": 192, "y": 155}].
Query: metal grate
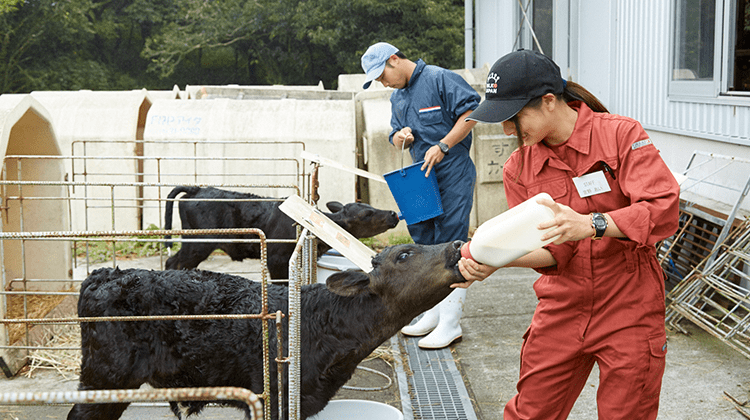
[
  {"x": 434, "y": 388},
  {"x": 717, "y": 298}
]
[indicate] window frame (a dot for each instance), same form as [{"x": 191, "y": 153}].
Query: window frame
[
  {"x": 729, "y": 34},
  {"x": 561, "y": 51},
  {"x": 715, "y": 90}
]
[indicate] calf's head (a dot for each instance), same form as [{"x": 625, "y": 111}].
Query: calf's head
[
  {"x": 408, "y": 279},
  {"x": 362, "y": 220}
]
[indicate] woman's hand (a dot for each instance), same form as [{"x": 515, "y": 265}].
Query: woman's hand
[
  {"x": 568, "y": 224},
  {"x": 473, "y": 271}
]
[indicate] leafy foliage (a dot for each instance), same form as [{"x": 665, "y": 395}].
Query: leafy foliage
[
  {"x": 8, "y": 5},
  {"x": 155, "y": 44}
]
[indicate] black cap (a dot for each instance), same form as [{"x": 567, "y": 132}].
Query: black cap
[{"x": 514, "y": 80}]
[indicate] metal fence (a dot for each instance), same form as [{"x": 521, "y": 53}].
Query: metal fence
[
  {"x": 716, "y": 295},
  {"x": 114, "y": 194}
]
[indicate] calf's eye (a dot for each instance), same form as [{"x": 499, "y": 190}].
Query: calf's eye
[{"x": 402, "y": 256}]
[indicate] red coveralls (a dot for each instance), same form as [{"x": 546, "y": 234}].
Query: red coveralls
[{"x": 604, "y": 300}]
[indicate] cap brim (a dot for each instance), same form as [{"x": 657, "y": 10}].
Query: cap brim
[
  {"x": 493, "y": 111},
  {"x": 373, "y": 74}
]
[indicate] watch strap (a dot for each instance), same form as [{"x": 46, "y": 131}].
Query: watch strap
[{"x": 599, "y": 223}]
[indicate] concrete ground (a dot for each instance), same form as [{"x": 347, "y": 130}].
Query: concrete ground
[{"x": 699, "y": 368}]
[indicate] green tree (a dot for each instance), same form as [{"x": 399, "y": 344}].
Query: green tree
[
  {"x": 154, "y": 44},
  {"x": 207, "y": 35},
  {"x": 8, "y": 5},
  {"x": 79, "y": 44},
  {"x": 31, "y": 34},
  {"x": 428, "y": 29},
  {"x": 304, "y": 42}
]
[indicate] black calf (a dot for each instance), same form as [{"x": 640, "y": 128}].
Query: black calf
[
  {"x": 359, "y": 219},
  {"x": 341, "y": 324}
]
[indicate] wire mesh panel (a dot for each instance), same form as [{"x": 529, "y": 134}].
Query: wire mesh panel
[
  {"x": 112, "y": 197},
  {"x": 711, "y": 208},
  {"x": 717, "y": 297},
  {"x": 685, "y": 250},
  {"x": 270, "y": 169}
]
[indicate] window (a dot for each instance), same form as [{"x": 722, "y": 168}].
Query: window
[
  {"x": 539, "y": 12},
  {"x": 711, "y": 55},
  {"x": 694, "y": 40},
  {"x": 542, "y": 20},
  {"x": 740, "y": 65}
]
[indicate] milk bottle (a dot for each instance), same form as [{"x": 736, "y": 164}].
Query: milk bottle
[{"x": 511, "y": 234}]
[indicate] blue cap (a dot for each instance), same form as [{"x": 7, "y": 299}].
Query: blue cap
[{"x": 373, "y": 60}]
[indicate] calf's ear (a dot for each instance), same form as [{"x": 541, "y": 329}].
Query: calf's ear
[
  {"x": 334, "y": 206},
  {"x": 348, "y": 283}
]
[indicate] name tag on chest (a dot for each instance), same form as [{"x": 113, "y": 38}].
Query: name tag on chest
[{"x": 591, "y": 184}]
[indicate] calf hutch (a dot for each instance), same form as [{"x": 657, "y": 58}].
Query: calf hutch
[
  {"x": 85, "y": 184},
  {"x": 33, "y": 199}
]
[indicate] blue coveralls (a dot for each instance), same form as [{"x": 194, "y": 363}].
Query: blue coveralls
[{"x": 431, "y": 105}]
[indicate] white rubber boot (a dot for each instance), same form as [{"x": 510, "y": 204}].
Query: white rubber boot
[
  {"x": 427, "y": 323},
  {"x": 448, "y": 329}
]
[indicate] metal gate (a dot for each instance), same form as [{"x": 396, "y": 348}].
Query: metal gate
[{"x": 114, "y": 194}]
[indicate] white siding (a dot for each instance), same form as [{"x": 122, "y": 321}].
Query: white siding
[{"x": 642, "y": 69}]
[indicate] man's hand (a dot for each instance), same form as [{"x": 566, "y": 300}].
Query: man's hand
[
  {"x": 433, "y": 156},
  {"x": 403, "y": 138}
]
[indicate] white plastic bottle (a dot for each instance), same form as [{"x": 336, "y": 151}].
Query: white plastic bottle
[{"x": 511, "y": 234}]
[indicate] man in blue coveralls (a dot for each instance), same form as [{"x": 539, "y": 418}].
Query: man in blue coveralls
[{"x": 428, "y": 112}]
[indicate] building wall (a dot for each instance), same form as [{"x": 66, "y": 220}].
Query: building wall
[
  {"x": 641, "y": 77},
  {"x": 492, "y": 39},
  {"x": 620, "y": 51}
]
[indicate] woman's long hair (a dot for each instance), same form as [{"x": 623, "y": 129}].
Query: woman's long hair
[{"x": 572, "y": 92}]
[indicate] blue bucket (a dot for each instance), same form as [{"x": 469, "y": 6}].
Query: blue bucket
[{"x": 418, "y": 198}]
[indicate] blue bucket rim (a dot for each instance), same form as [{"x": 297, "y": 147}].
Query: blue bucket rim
[{"x": 404, "y": 168}]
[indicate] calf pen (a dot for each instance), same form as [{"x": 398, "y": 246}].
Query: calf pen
[{"x": 109, "y": 200}]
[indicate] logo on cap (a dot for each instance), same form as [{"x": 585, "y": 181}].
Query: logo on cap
[{"x": 492, "y": 79}]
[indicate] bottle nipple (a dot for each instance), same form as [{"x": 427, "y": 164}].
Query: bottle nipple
[{"x": 465, "y": 251}]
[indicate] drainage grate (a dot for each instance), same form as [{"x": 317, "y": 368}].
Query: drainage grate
[{"x": 433, "y": 389}]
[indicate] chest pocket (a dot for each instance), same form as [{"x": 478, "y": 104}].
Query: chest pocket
[
  {"x": 609, "y": 167},
  {"x": 430, "y": 116},
  {"x": 556, "y": 188}
]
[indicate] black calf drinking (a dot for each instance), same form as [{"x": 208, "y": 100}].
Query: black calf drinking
[
  {"x": 341, "y": 324},
  {"x": 359, "y": 219}
]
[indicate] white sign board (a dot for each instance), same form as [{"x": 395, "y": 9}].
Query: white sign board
[{"x": 329, "y": 232}]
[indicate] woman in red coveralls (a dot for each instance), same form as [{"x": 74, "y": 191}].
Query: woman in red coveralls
[{"x": 601, "y": 293}]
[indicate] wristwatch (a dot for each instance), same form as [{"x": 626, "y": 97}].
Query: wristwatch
[
  {"x": 443, "y": 147},
  {"x": 599, "y": 223}
]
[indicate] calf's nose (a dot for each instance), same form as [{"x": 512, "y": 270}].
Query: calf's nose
[{"x": 457, "y": 244}]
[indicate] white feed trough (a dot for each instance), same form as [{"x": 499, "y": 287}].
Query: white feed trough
[
  {"x": 358, "y": 409},
  {"x": 333, "y": 262}
]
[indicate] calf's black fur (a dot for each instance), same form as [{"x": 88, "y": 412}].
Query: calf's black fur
[
  {"x": 359, "y": 219},
  {"x": 342, "y": 322}
]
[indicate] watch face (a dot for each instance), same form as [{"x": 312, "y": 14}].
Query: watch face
[
  {"x": 443, "y": 147},
  {"x": 600, "y": 224}
]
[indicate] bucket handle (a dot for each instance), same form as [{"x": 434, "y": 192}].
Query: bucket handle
[{"x": 402, "y": 171}]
